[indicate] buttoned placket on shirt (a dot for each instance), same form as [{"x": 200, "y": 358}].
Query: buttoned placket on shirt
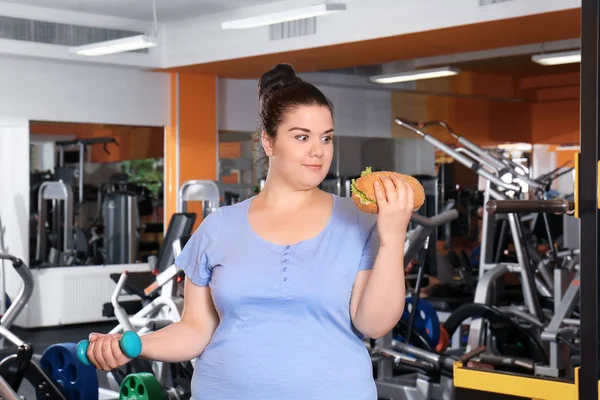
[{"x": 284, "y": 268}]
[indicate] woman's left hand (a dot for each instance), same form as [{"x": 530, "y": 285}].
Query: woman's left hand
[{"x": 395, "y": 201}]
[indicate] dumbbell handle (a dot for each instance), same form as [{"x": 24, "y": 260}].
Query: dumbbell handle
[{"x": 130, "y": 344}]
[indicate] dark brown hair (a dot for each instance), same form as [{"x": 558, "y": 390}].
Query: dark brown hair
[{"x": 280, "y": 91}]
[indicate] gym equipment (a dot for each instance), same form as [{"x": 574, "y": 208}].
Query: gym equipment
[
  {"x": 332, "y": 184},
  {"x": 430, "y": 209},
  {"x": 414, "y": 127},
  {"x": 6, "y": 392},
  {"x": 76, "y": 381},
  {"x": 426, "y": 320},
  {"x": 547, "y": 311},
  {"x": 163, "y": 310},
  {"x": 161, "y": 305},
  {"x": 560, "y": 328},
  {"x": 20, "y": 366},
  {"x": 61, "y": 236},
  {"x": 121, "y": 224},
  {"x": 425, "y": 382},
  {"x": 130, "y": 343},
  {"x": 481, "y": 164},
  {"x": 494, "y": 159},
  {"x": 180, "y": 226},
  {"x": 82, "y": 247},
  {"x": 67, "y": 174},
  {"x": 141, "y": 386},
  {"x": 527, "y": 340},
  {"x": 203, "y": 191},
  {"x": 557, "y": 206}
]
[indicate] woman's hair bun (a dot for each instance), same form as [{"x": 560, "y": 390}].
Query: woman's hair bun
[{"x": 276, "y": 78}]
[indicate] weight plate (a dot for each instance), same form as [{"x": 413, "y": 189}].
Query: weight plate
[
  {"x": 426, "y": 321},
  {"x": 77, "y": 381},
  {"x": 141, "y": 386}
]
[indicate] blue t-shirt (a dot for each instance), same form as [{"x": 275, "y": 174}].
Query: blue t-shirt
[{"x": 285, "y": 330}]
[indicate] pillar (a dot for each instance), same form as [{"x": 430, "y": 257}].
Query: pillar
[{"x": 191, "y": 145}]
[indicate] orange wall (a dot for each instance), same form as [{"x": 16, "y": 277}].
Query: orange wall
[
  {"x": 555, "y": 122},
  {"x": 135, "y": 142},
  {"x": 453, "y": 100},
  {"x": 546, "y": 110},
  {"x": 192, "y": 134},
  {"x": 197, "y": 127}
]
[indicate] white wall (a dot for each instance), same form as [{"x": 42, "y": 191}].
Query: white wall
[
  {"x": 415, "y": 157},
  {"x": 357, "y": 112},
  {"x": 360, "y": 112},
  {"x": 54, "y": 91},
  {"x": 542, "y": 161},
  {"x": 237, "y": 105},
  {"x": 14, "y": 195}
]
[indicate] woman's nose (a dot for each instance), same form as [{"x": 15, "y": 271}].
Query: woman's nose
[{"x": 317, "y": 150}]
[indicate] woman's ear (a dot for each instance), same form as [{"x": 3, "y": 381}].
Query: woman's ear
[{"x": 267, "y": 143}]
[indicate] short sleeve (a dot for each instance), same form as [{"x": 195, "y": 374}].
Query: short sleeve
[
  {"x": 370, "y": 249},
  {"x": 195, "y": 257}
]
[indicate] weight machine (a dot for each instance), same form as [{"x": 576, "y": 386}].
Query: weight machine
[
  {"x": 561, "y": 327},
  {"x": 20, "y": 366},
  {"x": 58, "y": 192},
  {"x": 67, "y": 174},
  {"x": 162, "y": 305},
  {"x": 491, "y": 166},
  {"x": 388, "y": 353}
]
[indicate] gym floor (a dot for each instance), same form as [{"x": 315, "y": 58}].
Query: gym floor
[{"x": 41, "y": 339}]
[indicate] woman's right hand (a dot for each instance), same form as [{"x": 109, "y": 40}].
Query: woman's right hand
[{"x": 104, "y": 351}]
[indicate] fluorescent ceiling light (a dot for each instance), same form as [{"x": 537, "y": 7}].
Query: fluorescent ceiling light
[
  {"x": 568, "y": 148},
  {"x": 516, "y": 146},
  {"x": 115, "y": 46},
  {"x": 284, "y": 16},
  {"x": 414, "y": 75},
  {"x": 565, "y": 57}
]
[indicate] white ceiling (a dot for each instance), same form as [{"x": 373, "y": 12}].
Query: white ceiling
[{"x": 167, "y": 10}]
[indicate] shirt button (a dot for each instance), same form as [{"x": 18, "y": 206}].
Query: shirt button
[
  {"x": 287, "y": 247},
  {"x": 285, "y": 261},
  {"x": 285, "y": 279},
  {"x": 284, "y": 269}
]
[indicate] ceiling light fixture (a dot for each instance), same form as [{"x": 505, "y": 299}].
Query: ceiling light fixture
[
  {"x": 414, "y": 75},
  {"x": 516, "y": 146},
  {"x": 565, "y": 57},
  {"x": 285, "y": 16},
  {"x": 568, "y": 148},
  {"x": 115, "y": 46},
  {"x": 130, "y": 43}
]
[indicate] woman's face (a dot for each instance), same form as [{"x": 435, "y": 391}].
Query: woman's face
[{"x": 302, "y": 152}]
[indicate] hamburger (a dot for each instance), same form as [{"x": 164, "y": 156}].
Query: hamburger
[{"x": 363, "y": 189}]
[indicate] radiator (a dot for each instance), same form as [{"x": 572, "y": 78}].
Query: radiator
[{"x": 72, "y": 295}]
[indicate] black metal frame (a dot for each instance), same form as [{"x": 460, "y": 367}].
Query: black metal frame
[{"x": 588, "y": 200}]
